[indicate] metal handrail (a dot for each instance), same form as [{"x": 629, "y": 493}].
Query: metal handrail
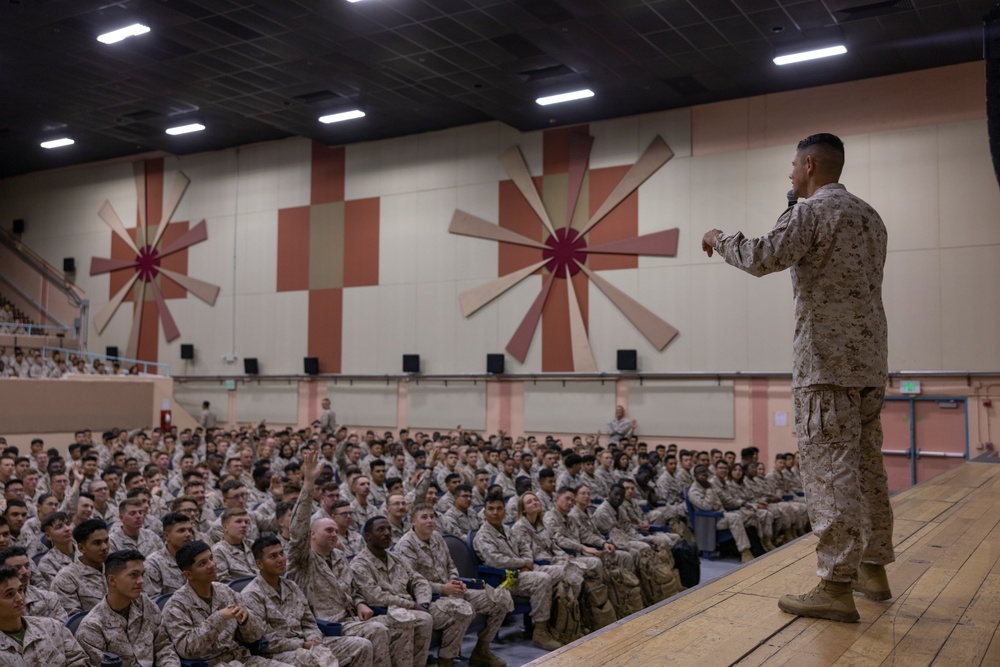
[
  {"x": 32, "y": 329},
  {"x": 547, "y": 377}
]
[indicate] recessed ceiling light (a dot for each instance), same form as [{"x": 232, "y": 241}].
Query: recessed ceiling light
[
  {"x": 123, "y": 33},
  {"x": 58, "y": 143},
  {"x": 838, "y": 50},
  {"x": 565, "y": 97},
  {"x": 344, "y": 115},
  {"x": 184, "y": 129}
]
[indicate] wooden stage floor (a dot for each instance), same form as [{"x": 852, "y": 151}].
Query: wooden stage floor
[{"x": 946, "y": 609}]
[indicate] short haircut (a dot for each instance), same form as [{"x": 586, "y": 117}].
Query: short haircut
[
  {"x": 119, "y": 560},
  {"x": 377, "y": 463},
  {"x": 419, "y": 507},
  {"x": 7, "y": 573},
  {"x": 230, "y": 484},
  {"x": 47, "y": 522},
  {"x": 494, "y": 498},
  {"x": 565, "y": 489},
  {"x": 83, "y": 532},
  {"x": 12, "y": 551},
  {"x": 132, "y": 475},
  {"x": 451, "y": 476},
  {"x": 463, "y": 487},
  {"x": 263, "y": 542},
  {"x": 129, "y": 502},
  {"x": 282, "y": 508},
  {"x": 573, "y": 459},
  {"x": 173, "y": 518},
  {"x": 545, "y": 473},
  {"x": 232, "y": 513},
  {"x": 365, "y": 530},
  {"x": 188, "y": 553},
  {"x": 180, "y": 500}
]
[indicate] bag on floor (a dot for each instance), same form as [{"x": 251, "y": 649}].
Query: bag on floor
[
  {"x": 686, "y": 558},
  {"x": 564, "y": 620},
  {"x": 657, "y": 577},
  {"x": 623, "y": 589},
  {"x": 596, "y": 610}
]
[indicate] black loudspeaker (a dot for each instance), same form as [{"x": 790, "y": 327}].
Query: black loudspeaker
[
  {"x": 18, "y": 226},
  {"x": 411, "y": 363},
  {"x": 187, "y": 351},
  {"x": 627, "y": 360},
  {"x": 494, "y": 363},
  {"x": 311, "y": 365},
  {"x": 991, "y": 52},
  {"x": 69, "y": 265},
  {"x": 250, "y": 366},
  {"x": 111, "y": 351}
]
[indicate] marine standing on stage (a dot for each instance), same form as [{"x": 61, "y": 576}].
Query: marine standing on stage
[{"x": 835, "y": 245}]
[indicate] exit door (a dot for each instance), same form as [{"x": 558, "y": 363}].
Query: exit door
[{"x": 922, "y": 438}]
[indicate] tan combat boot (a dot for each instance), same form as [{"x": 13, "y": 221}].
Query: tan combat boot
[
  {"x": 483, "y": 657},
  {"x": 789, "y": 535},
  {"x": 769, "y": 545},
  {"x": 746, "y": 556},
  {"x": 873, "y": 582},
  {"x": 830, "y": 599},
  {"x": 543, "y": 639}
]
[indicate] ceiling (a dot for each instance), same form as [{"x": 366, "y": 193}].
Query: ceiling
[{"x": 254, "y": 71}]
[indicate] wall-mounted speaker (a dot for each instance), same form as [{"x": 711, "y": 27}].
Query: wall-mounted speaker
[
  {"x": 494, "y": 363},
  {"x": 187, "y": 351},
  {"x": 17, "y": 226},
  {"x": 69, "y": 265},
  {"x": 627, "y": 360},
  {"x": 311, "y": 365},
  {"x": 411, "y": 363},
  {"x": 250, "y": 366},
  {"x": 111, "y": 352}
]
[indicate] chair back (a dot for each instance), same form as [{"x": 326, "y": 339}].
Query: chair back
[
  {"x": 464, "y": 561},
  {"x": 239, "y": 584},
  {"x": 73, "y": 622}
]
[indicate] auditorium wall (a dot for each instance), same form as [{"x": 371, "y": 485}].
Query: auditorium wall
[{"x": 344, "y": 253}]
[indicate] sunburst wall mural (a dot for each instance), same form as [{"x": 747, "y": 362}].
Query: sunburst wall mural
[
  {"x": 569, "y": 250},
  {"x": 142, "y": 256}
]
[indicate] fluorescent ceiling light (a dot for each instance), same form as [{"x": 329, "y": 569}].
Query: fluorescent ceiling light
[
  {"x": 565, "y": 97},
  {"x": 58, "y": 143},
  {"x": 184, "y": 129},
  {"x": 344, "y": 115},
  {"x": 123, "y": 33},
  {"x": 811, "y": 55}
]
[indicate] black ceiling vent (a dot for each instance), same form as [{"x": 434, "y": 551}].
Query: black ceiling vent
[
  {"x": 543, "y": 73},
  {"x": 686, "y": 85},
  {"x": 545, "y": 11},
  {"x": 144, "y": 114},
  {"x": 517, "y": 46},
  {"x": 872, "y": 10},
  {"x": 316, "y": 96}
]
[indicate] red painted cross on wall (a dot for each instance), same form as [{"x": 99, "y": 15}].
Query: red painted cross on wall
[{"x": 325, "y": 247}]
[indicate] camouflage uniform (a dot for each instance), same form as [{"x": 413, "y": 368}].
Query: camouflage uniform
[
  {"x": 352, "y": 543},
  {"x": 139, "y": 640},
  {"x": 146, "y": 543},
  {"x": 290, "y": 623},
  {"x": 835, "y": 245},
  {"x": 733, "y": 501},
  {"x": 329, "y": 585},
  {"x": 543, "y": 547},
  {"x": 433, "y": 562},
  {"x": 233, "y": 562},
  {"x": 501, "y": 549},
  {"x": 395, "y": 585},
  {"x": 586, "y": 532},
  {"x": 459, "y": 523},
  {"x": 40, "y": 602},
  {"x": 708, "y": 499},
  {"x": 49, "y": 566},
  {"x": 79, "y": 587},
  {"x": 46, "y": 642},
  {"x": 362, "y": 514},
  {"x": 162, "y": 574},
  {"x": 569, "y": 536},
  {"x": 200, "y": 633}
]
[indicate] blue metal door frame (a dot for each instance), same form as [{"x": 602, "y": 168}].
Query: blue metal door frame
[{"x": 912, "y": 452}]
